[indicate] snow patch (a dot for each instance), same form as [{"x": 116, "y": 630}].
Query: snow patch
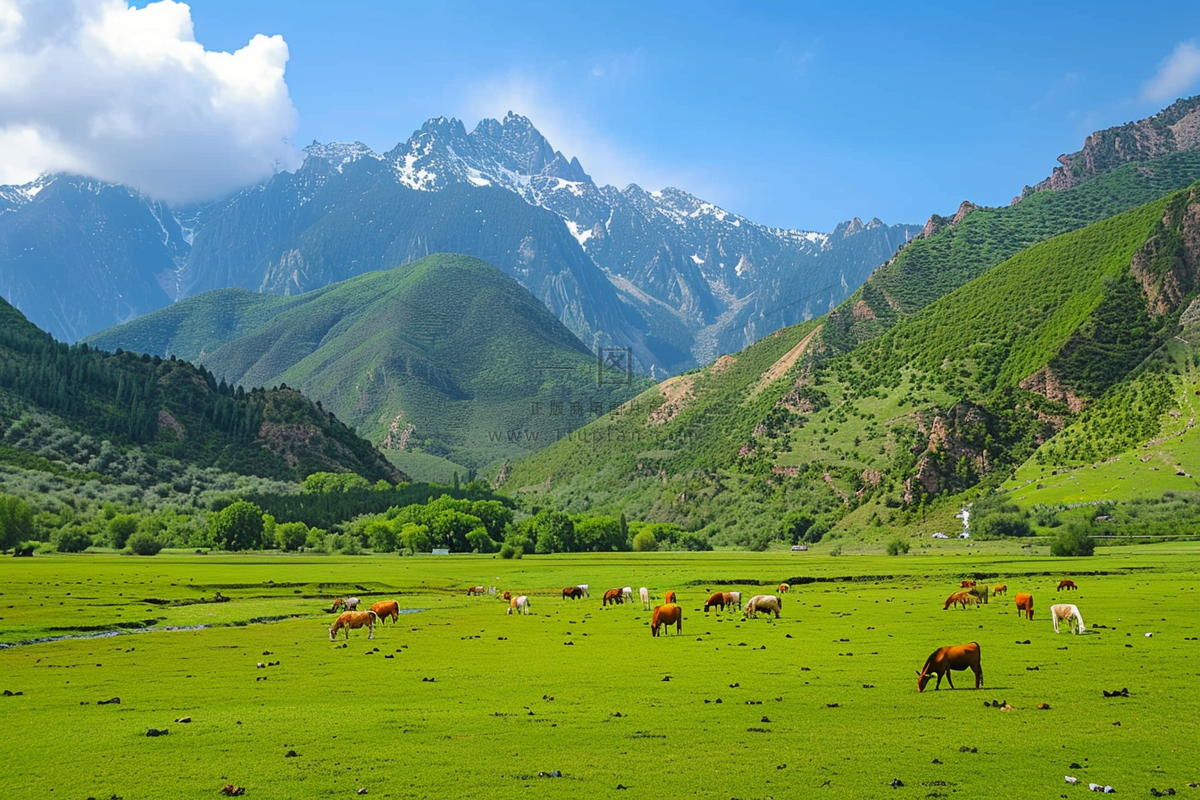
[{"x": 580, "y": 236}]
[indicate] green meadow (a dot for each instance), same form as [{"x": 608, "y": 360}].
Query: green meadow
[{"x": 460, "y": 699}]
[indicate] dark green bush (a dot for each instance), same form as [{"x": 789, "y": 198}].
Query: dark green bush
[
  {"x": 1074, "y": 541},
  {"x": 898, "y": 547},
  {"x": 142, "y": 543},
  {"x": 71, "y": 540}
]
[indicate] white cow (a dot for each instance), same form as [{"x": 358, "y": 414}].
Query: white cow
[
  {"x": 737, "y": 599},
  {"x": 520, "y": 603},
  {"x": 627, "y": 594},
  {"x": 1070, "y": 613},
  {"x": 762, "y": 602},
  {"x": 644, "y": 594},
  {"x": 584, "y": 587}
]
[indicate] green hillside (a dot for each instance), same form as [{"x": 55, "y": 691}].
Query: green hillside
[
  {"x": 445, "y": 362},
  {"x": 91, "y": 399},
  {"x": 929, "y": 267},
  {"x": 1079, "y": 331}
]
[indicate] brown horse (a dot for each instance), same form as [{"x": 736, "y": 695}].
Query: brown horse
[
  {"x": 716, "y": 599},
  {"x": 1001, "y": 589},
  {"x": 354, "y": 619},
  {"x": 613, "y": 596},
  {"x": 944, "y": 659},
  {"x": 1067, "y": 584},
  {"x": 1024, "y": 603},
  {"x": 348, "y": 603},
  {"x": 385, "y": 609},
  {"x": 959, "y": 598},
  {"x": 783, "y": 588},
  {"x": 507, "y": 596},
  {"x": 473, "y": 590},
  {"x": 573, "y": 592},
  {"x": 669, "y": 596},
  {"x": 664, "y": 615},
  {"x": 967, "y": 583}
]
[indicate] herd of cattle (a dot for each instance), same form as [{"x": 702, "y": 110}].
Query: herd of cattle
[{"x": 940, "y": 663}]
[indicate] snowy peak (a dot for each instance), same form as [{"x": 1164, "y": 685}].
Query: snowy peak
[
  {"x": 339, "y": 154},
  {"x": 13, "y": 197}
]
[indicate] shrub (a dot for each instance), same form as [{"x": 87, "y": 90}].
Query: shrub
[
  {"x": 1000, "y": 525},
  {"x": 238, "y": 526},
  {"x": 1074, "y": 541},
  {"x": 142, "y": 543},
  {"x": 898, "y": 547},
  {"x": 645, "y": 542},
  {"x": 291, "y": 536},
  {"x": 120, "y": 528},
  {"x": 507, "y": 550},
  {"x": 16, "y": 521},
  {"x": 71, "y": 540}
]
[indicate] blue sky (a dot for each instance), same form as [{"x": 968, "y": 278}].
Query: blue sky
[{"x": 793, "y": 115}]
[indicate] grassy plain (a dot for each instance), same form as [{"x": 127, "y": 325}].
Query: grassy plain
[{"x": 462, "y": 700}]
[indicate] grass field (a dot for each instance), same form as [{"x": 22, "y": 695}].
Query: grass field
[{"x": 462, "y": 700}]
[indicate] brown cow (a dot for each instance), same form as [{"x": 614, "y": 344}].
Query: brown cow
[
  {"x": 1067, "y": 584},
  {"x": 473, "y": 590},
  {"x": 573, "y": 592},
  {"x": 967, "y": 583},
  {"x": 613, "y": 596},
  {"x": 1001, "y": 589},
  {"x": 669, "y": 597},
  {"x": 354, "y": 619},
  {"x": 507, "y": 596},
  {"x": 716, "y": 599},
  {"x": 961, "y": 598},
  {"x": 664, "y": 615},
  {"x": 1024, "y": 603},
  {"x": 385, "y": 609},
  {"x": 783, "y": 588},
  {"x": 944, "y": 659}
]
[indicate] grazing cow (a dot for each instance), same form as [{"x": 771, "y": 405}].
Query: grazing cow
[
  {"x": 967, "y": 583},
  {"x": 627, "y": 594},
  {"x": 980, "y": 593},
  {"x": 520, "y": 603},
  {"x": 1024, "y": 603},
  {"x": 1001, "y": 589},
  {"x": 613, "y": 596},
  {"x": 664, "y": 615},
  {"x": 354, "y": 619},
  {"x": 783, "y": 588},
  {"x": 716, "y": 599},
  {"x": 473, "y": 590},
  {"x": 669, "y": 597},
  {"x": 944, "y": 659},
  {"x": 1067, "y": 584},
  {"x": 385, "y": 609},
  {"x": 734, "y": 599},
  {"x": 762, "y": 602},
  {"x": 573, "y": 592},
  {"x": 348, "y": 603},
  {"x": 586, "y": 593},
  {"x": 644, "y": 596},
  {"x": 1070, "y": 613},
  {"x": 959, "y": 598}
]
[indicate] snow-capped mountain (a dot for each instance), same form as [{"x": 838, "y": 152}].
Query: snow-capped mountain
[{"x": 674, "y": 277}]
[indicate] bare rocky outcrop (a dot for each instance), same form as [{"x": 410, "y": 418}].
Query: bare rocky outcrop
[
  {"x": 938, "y": 223},
  {"x": 1046, "y": 383},
  {"x": 1174, "y": 129},
  {"x": 1168, "y": 265}
]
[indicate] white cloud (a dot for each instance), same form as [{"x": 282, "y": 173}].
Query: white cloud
[
  {"x": 122, "y": 94},
  {"x": 1176, "y": 75}
]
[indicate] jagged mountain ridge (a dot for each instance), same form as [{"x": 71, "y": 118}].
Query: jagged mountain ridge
[{"x": 673, "y": 277}]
